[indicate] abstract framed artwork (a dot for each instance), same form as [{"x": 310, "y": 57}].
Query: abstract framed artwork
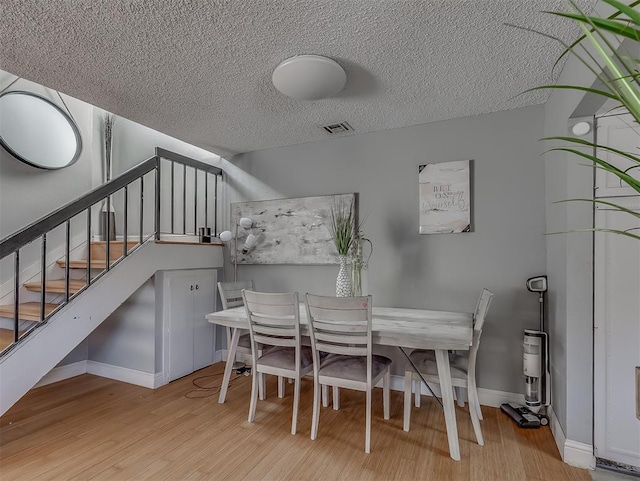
[
  {"x": 290, "y": 231},
  {"x": 445, "y": 197}
]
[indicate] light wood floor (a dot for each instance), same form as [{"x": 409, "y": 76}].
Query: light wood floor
[{"x": 94, "y": 428}]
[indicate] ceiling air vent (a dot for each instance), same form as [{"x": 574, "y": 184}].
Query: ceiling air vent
[{"x": 338, "y": 128}]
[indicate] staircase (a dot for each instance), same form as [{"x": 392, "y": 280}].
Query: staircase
[
  {"x": 49, "y": 317},
  {"x": 30, "y": 313},
  {"x": 37, "y": 353}
]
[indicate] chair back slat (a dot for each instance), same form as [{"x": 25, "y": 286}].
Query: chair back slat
[
  {"x": 278, "y": 331},
  {"x": 274, "y": 340},
  {"x": 341, "y": 326},
  {"x": 341, "y": 349},
  {"x": 336, "y": 315},
  {"x": 231, "y": 293},
  {"x": 339, "y": 303},
  {"x": 278, "y": 311},
  {"x": 340, "y": 338},
  {"x": 269, "y": 319},
  {"x": 269, "y": 298}
]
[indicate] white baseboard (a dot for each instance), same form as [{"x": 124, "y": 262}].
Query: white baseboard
[
  {"x": 556, "y": 430},
  {"x": 219, "y": 356},
  {"x": 572, "y": 452},
  {"x": 63, "y": 372},
  {"x": 109, "y": 371},
  {"x": 579, "y": 454},
  {"x": 493, "y": 398},
  {"x": 131, "y": 376}
]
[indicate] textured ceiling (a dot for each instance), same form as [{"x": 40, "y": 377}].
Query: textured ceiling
[{"x": 200, "y": 70}]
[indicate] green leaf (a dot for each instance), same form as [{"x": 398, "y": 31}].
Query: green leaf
[
  {"x": 342, "y": 225},
  {"x": 620, "y": 77},
  {"x": 596, "y": 229},
  {"x": 570, "y": 48},
  {"x": 586, "y": 143},
  {"x": 627, "y": 10},
  {"x": 603, "y": 202},
  {"x": 574, "y": 87},
  {"x": 628, "y": 96},
  {"x": 615, "y": 26},
  {"x": 626, "y": 178}
]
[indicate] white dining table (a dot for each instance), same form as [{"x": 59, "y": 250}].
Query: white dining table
[{"x": 391, "y": 326}]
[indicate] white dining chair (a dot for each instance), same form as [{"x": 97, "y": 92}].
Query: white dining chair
[
  {"x": 463, "y": 371},
  {"x": 341, "y": 327},
  {"x": 274, "y": 320},
  {"x": 231, "y": 296}
]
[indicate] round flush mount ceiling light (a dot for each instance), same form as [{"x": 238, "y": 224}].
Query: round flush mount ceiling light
[
  {"x": 581, "y": 128},
  {"x": 309, "y": 77}
]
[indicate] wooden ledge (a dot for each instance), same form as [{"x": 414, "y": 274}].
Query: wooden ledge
[{"x": 188, "y": 240}]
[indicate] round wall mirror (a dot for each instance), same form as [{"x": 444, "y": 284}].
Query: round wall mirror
[{"x": 37, "y": 132}]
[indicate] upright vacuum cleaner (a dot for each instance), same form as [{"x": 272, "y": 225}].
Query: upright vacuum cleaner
[{"x": 537, "y": 376}]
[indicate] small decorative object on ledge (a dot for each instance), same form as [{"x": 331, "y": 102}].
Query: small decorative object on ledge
[{"x": 204, "y": 234}]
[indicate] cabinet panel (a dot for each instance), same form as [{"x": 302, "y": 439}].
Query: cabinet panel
[
  {"x": 189, "y": 339},
  {"x": 203, "y": 330},
  {"x": 180, "y": 330}
]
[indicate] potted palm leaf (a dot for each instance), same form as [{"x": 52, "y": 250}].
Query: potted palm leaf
[{"x": 619, "y": 75}]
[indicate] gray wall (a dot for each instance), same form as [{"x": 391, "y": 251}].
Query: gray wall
[
  {"x": 127, "y": 338},
  {"x": 570, "y": 266},
  {"x": 28, "y": 193},
  {"x": 431, "y": 271},
  {"x": 133, "y": 143}
]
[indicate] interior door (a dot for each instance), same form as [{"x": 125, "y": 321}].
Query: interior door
[{"x": 617, "y": 321}]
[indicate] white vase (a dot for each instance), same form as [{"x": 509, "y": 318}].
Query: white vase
[{"x": 343, "y": 282}]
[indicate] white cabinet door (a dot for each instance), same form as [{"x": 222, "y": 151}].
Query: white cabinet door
[
  {"x": 203, "y": 304},
  {"x": 189, "y": 339},
  {"x": 179, "y": 328},
  {"x": 616, "y": 337},
  {"x": 622, "y": 133}
]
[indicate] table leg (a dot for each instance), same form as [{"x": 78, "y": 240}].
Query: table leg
[
  {"x": 444, "y": 374},
  {"x": 231, "y": 355}
]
